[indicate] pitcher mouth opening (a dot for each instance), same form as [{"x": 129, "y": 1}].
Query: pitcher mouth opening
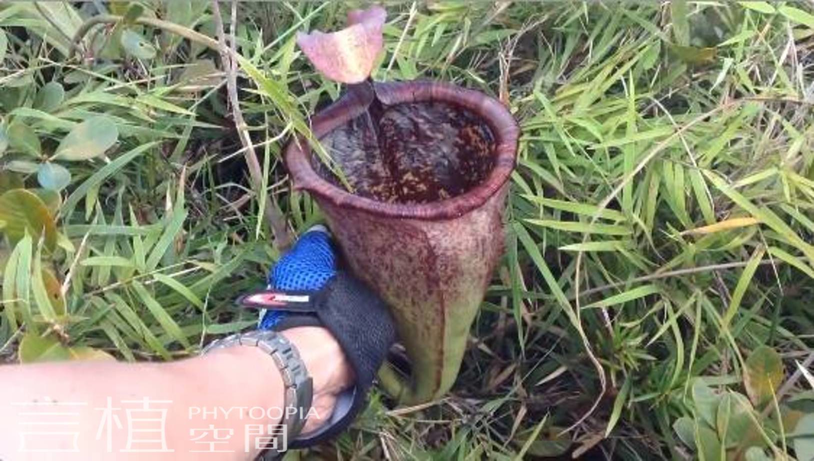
[{"x": 484, "y": 133}]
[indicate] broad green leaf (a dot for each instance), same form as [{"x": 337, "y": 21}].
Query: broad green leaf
[
  {"x": 41, "y": 297},
  {"x": 132, "y": 12},
  {"x": 49, "y": 97},
  {"x": 35, "y": 349},
  {"x": 53, "y": 176},
  {"x": 735, "y": 421},
  {"x": 756, "y": 454},
  {"x": 56, "y": 23},
  {"x": 53, "y": 290},
  {"x": 19, "y": 81},
  {"x": 136, "y": 45},
  {"x": 22, "y": 283},
  {"x": 76, "y": 76},
  {"x": 9, "y": 180},
  {"x": 3, "y": 45},
  {"x": 23, "y": 139},
  {"x": 797, "y": 15},
  {"x": 45, "y": 119},
  {"x": 706, "y": 403},
  {"x": 85, "y": 353},
  {"x": 50, "y": 198},
  {"x": 22, "y": 166},
  {"x": 3, "y": 139},
  {"x": 684, "y": 427},
  {"x": 89, "y": 139},
  {"x": 694, "y": 54},
  {"x": 178, "y": 11},
  {"x": 709, "y": 446},
  {"x": 804, "y": 438},
  {"x": 651, "y": 56},
  {"x": 761, "y": 7},
  {"x": 739, "y": 38},
  {"x": 681, "y": 25},
  {"x": 763, "y": 375},
  {"x": 9, "y": 284},
  {"x": 200, "y": 74},
  {"x": 22, "y": 211}
]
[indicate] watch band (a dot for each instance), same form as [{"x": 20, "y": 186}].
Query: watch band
[{"x": 298, "y": 383}]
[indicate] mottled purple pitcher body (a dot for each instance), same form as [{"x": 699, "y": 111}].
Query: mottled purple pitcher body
[{"x": 424, "y": 232}]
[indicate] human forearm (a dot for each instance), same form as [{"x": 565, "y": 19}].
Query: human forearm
[{"x": 214, "y": 398}]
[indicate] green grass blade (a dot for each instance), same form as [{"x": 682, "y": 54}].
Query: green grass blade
[
  {"x": 176, "y": 224},
  {"x": 743, "y": 284},
  {"x": 160, "y": 314},
  {"x": 627, "y": 296}
]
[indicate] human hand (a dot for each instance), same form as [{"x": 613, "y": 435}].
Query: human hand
[
  {"x": 307, "y": 291},
  {"x": 329, "y": 368}
]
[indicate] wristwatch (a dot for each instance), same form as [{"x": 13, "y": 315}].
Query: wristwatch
[{"x": 298, "y": 384}]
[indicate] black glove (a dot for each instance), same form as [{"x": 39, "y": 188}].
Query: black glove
[{"x": 306, "y": 289}]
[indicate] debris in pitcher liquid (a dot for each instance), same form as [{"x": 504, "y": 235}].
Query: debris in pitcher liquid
[{"x": 414, "y": 153}]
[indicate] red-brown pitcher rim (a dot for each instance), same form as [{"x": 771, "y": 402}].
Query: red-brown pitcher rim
[{"x": 499, "y": 119}]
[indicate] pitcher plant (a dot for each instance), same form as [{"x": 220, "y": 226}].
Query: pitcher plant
[{"x": 417, "y": 204}]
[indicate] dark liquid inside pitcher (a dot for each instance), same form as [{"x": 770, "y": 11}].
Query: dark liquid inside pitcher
[{"x": 411, "y": 152}]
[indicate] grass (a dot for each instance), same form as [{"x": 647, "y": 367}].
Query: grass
[{"x": 659, "y": 226}]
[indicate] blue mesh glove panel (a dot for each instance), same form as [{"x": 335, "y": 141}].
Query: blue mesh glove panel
[{"x": 307, "y": 267}]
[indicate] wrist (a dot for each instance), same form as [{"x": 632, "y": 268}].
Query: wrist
[
  {"x": 327, "y": 366},
  {"x": 329, "y": 369},
  {"x": 323, "y": 357}
]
